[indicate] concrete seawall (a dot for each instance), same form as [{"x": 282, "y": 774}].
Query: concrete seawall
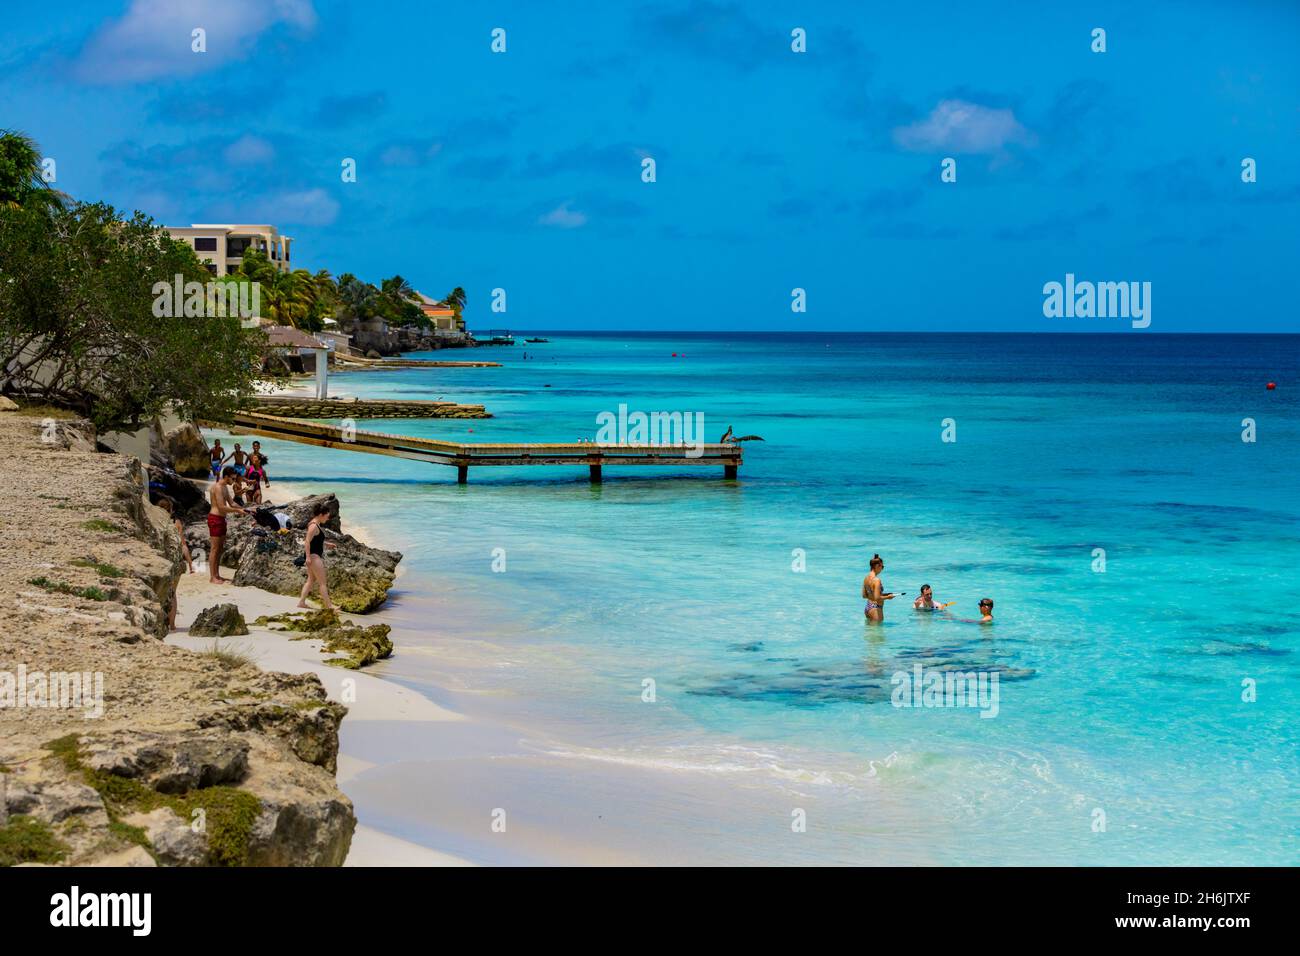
[{"x": 292, "y": 406}]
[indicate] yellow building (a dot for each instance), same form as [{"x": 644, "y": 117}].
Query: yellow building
[{"x": 440, "y": 315}]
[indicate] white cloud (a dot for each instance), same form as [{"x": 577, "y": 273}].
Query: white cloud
[
  {"x": 153, "y": 38},
  {"x": 564, "y": 217},
  {"x": 311, "y": 207},
  {"x": 249, "y": 150},
  {"x": 957, "y": 126}
]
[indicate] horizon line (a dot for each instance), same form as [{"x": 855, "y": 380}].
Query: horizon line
[{"x": 1143, "y": 332}]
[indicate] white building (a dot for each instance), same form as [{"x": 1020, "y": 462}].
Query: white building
[{"x": 222, "y": 246}]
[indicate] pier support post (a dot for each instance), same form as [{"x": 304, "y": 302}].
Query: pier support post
[
  {"x": 595, "y": 474},
  {"x": 729, "y": 471},
  {"x": 462, "y": 474},
  {"x": 322, "y": 373}
]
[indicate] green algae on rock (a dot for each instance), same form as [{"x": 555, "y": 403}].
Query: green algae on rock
[{"x": 362, "y": 645}]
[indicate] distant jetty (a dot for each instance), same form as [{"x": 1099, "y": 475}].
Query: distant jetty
[
  {"x": 342, "y": 362},
  {"x": 306, "y": 406}
]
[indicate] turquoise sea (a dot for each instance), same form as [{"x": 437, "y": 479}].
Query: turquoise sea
[{"x": 1146, "y": 713}]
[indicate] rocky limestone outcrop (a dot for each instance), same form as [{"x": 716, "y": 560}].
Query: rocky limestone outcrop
[
  {"x": 188, "y": 495},
  {"x": 185, "y": 451},
  {"x": 373, "y": 337},
  {"x": 220, "y": 620},
  {"x": 191, "y": 758},
  {"x": 359, "y": 576},
  {"x": 359, "y": 644}
]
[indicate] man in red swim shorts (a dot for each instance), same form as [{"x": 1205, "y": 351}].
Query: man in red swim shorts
[{"x": 221, "y": 504}]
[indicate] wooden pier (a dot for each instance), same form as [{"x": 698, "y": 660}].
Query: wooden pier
[{"x": 464, "y": 455}]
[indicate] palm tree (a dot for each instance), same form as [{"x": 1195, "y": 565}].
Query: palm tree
[
  {"x": 286, "y": 298},
  {"x": 357, "y": 300},
  {"x": 325, "y": 297},
  {"x": 398, "y": 289},
  {"x": 256, "y": 266},
  {"x": 456, "y": 299},
  {"x": 21, "y": 182},
  {"x": 326, "y": 287}
]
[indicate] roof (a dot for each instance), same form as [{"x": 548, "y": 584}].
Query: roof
[
  {"x": 286, "y": 336},
  {"x": 227, "y": 228},
  {"x": 433, "y": 305}
]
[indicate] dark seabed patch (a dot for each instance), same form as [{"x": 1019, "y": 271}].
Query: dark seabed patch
[
  {"x": 866, "y": 682},
  {"x": 1179, "y": 507},
  {"x": 1164, "y": 677},
  {"x": 1074, "y": 548},
  {"x": 1231, "y": 649},
  {"x": 1246, "y": 629},
  {"x": 1033, "y": 570},
  {"x": 1152, "y": 473}
]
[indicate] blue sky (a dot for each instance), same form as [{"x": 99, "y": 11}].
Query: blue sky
[{"x": 775, "y": 170}]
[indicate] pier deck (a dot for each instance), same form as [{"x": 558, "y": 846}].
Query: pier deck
[{"x": 464, "y": 455}]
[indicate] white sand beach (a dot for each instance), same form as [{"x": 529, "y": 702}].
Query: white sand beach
[{"x": 368, "y": 698}]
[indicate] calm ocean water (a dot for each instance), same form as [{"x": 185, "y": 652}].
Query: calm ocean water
[{"x": 1121, "y": 735}]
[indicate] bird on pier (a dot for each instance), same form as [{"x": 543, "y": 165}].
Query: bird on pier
[{"x": 729, "y": 437}]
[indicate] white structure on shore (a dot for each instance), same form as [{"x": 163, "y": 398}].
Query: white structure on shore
[
  {"x": 222, "y": 246},
  {"x": 290, "y": 341}
]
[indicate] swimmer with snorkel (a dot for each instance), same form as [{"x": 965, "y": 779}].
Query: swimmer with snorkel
[{"x": 986, "y": 613}]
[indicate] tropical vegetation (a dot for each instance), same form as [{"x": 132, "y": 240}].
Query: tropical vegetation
[{"x": 78, "y": 324}]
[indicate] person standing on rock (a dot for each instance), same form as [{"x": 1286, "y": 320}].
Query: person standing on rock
[
  {"x": 314, "y": 545},
  {"x": 219, "y": 500},
  {"x": 261, "y": 462},
  {"x": 169, "y": 506},
  {"x": 253, "y": 477},
  {"x": 217, "y": 456},
  {"x": 240, "y": 458}
]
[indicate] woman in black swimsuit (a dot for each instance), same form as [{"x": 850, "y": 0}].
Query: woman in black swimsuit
[{"x": 314, "y": 546}]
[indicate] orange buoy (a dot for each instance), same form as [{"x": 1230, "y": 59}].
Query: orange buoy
[{"x": 1271, "y": 385}]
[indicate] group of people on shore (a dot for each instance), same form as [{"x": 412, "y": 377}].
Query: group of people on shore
[
  {"x": 224, "y": 501},
  {"x": 874, "y": 593},
  {"x": 249, "y": 468}
]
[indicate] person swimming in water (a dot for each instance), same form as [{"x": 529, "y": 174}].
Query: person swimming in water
[
  {"x": 986, "y": 610},
  {"x": 926, "y": 601},
  {"x": 873, "y": 591}
]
